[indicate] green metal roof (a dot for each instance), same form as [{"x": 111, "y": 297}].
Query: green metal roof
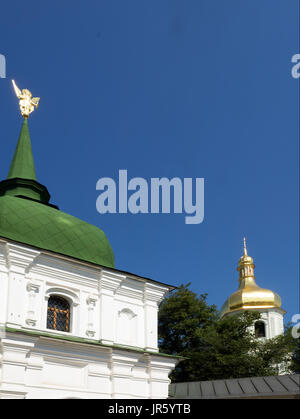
[
  {"x": 22, "y": 165},
  {"x": 42, "y": 226},
  {"x": 27, "y": 217}
]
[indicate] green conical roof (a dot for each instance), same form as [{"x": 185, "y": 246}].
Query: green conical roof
[
  {"x": 22, "y": 165},
  {"x": 27, "y": 217},
  {"x": 21, "y": 180}
]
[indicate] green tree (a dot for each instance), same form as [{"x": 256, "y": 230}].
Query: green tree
[
  {"x": 296, "y": 357},
  {"x": 215, "y": 348},
  {"x": 180, "y": 315}
]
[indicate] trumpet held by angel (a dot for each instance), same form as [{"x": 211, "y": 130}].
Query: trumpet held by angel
[{"x": 26, "y": 101}]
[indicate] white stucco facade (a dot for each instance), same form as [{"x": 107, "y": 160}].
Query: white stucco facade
[
  {"x": 111, "y": 349},
  {"x": 272, "y": 318}
]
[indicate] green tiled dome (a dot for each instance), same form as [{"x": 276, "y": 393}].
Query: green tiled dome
[
  {"x": 27, "y": 217},
  {"x": 42, "y": 226}
]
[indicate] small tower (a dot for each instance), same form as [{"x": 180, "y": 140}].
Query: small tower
[{"x": 250, "y": 296}]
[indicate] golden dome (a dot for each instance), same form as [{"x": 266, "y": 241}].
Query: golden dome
[{"x": 249, "y": 295}]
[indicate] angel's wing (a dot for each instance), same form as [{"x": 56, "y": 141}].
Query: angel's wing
[
  {"x": 35, "y": 101},
  {"x": 17, "y": 90}
]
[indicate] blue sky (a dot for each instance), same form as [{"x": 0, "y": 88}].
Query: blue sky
[{"x": 197, "y": 88}]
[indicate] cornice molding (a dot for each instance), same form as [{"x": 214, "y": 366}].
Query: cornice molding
[{"x": 20, "y": 258}]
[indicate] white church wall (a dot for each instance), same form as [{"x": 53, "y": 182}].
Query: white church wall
[
  {"x": 105, "y": 305},
  {"x": 271, "y": 317},
  {"x": 3, "y": 285},
  {"x": 108, "y": 307},
  {"x": 40, "y": 367}
]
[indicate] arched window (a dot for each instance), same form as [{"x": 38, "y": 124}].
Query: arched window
[
  {"x": 58, "y": 314},
  {"x": 260, "y": 330}
]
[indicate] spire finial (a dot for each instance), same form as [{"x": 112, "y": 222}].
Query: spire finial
[
  {"x": 22, "y": 165},
  {"x": 27, "y": 102},
  {"x": 245, "y": 247}
]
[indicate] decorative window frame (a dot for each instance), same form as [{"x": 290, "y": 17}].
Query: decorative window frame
[
  {"x": 91, "y": 303},
  {"x": 73, "y": 299},
  {"x": 130, "y": 313},
  {"x": 131, "y": 338},
  {"x": 33, "y": 290}
]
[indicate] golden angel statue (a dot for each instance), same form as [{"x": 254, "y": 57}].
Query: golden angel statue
[{"x": 27, "y": 102}]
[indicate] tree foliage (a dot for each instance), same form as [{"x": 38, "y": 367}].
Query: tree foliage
[
  {"x": 296, "y": 357},
  {"x": 216, "y": 348}
]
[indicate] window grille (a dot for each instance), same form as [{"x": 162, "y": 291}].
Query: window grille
[{"x": 58, "y": 315}]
